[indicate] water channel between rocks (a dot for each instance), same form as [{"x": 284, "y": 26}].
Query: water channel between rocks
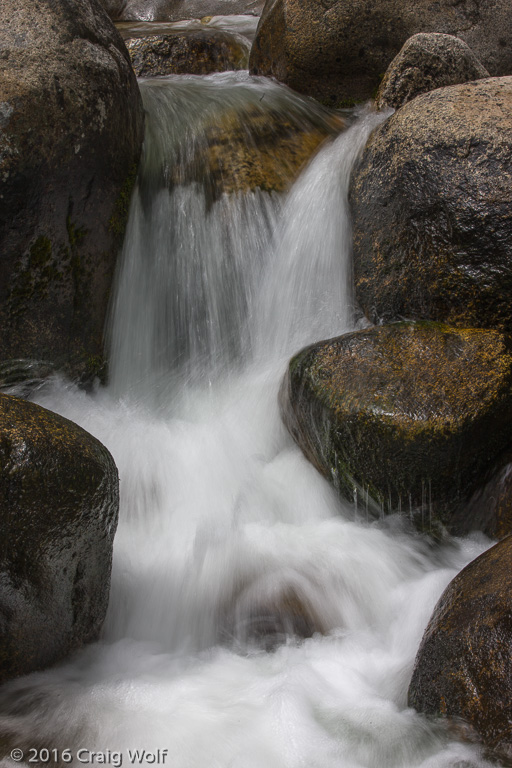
[{"x": 226, "y": 533}]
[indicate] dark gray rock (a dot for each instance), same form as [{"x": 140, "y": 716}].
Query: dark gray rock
[
  {"x": 189, "y": 51},
  {"x": 71, "y": 125},
  {"x": 338, "y": 50},
  {"x": 59, "y": 500},
  {"x": 432, "y": 208},
  {"x": 463, "y": 669},
  {"x": 409, "y": 415},
  {"x": 427, "y": 62}
]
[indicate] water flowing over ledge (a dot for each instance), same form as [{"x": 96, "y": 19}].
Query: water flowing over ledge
[{"x": 223, "y": 521}]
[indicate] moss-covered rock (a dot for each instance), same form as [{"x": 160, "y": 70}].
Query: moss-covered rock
[
  {"x": 337, "y": 50},
  {"x": 71, "y": 124},
  {"x": 59, "y": 500},
  {"x": 426, "y": 62},
  {"x": 254, "y": 147},
  {"x": 411, "y": 415},
  {"x": 463, "y": 669},
  {"x": 188, "y": 51},
  {"x": 432, "y": 208}
]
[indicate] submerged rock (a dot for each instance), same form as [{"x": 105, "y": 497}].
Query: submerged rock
[
  {"x": 59, "y": 504},
  {"x": 176, "y": 10},
  {"x": 338, "y": 51},
  {"x": 463, "y": 670},
  {"x": 194, "y": 52},
  {"x": 254, "y": 147},
  {"x": 410, "y": 415},
  {"x": 71, "y": 125},
  {"x": 432, "y": 209},
  {"x": 427, "y": 62}
]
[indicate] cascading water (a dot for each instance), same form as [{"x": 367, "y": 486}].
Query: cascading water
[{"x": 229, "y": 542}]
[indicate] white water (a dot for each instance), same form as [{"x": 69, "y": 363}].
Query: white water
[{"x": 222, "y": 518}]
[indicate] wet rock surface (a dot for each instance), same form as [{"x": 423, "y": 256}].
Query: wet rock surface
[
  {"x": 71, "y": 125},
  {"x": 175, "y": 10},
  {"x": 59, "y": 504},
  {"x": 409, "y": 415},
  {"x": 463, "y": 669},
  {"x": 338, "y": 51},
  {"x": 254, "y": 148},
  {"x": 432, "y": 208},
  {"x": 427, "y": 62},
  {"x": 195, "y": 52}
]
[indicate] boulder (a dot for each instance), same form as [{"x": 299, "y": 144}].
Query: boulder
[
  {"x": 176, "y": 10},
  {"x": 254, "y": 147},
  {"x": 431, "y": 201},
  {"x": 71, "y": 123},
  {"x": 59, "y": 504},
  {"x": 410, "y": 415},
  {"x": 463, "y": 670},
  {"x": 427, "y": 62},
  {"x": 191, "y": 51},
  {"x": 338, "y": 50}
]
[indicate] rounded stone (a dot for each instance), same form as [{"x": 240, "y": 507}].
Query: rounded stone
[
  {"x": 427, "y": 62},
  {"x": 409, "y": 415},
  {"x": 431, "y": 201},
  {"x": 59, "y": 502},
  {"x": 463, "y": 670}
]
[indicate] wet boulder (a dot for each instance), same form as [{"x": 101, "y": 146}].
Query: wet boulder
[
  {"x": 194, "y": 52},
  {"x": 427, "y": 62},
  {"x": 71, "y": 124},
  {"x": 255, "y": 147},
  {"x": 431, "y": 200},
  {"x": 409, "y": 415},
  {"x": 463, "y": 670},
  {"x": 338, "y": 50},
  {"x": 176, "y": 10},
  {"x": 59, "y": 504}
]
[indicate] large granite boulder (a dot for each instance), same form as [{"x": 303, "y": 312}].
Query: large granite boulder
[
  {"x": 463, "y": 669},
  {"x": 431, "y": 200},
  {"x": 410, "y": 415},
  {"x": 338, "y": 50},
  {"x": 71, "y": 125},
  {"x": 59, "y": 500},
  {"x": 426, "y": 62},
  {"x": 189, "y": 51},
  {"x": 176, "y": 10}
]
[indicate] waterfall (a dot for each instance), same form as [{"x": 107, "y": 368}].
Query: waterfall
[{"x": 253, "y": 621}]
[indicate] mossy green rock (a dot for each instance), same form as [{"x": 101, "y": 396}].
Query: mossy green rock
[
  {"x": 71, "y": 126},
  {"x": 59, "y": 501},
  {"x": 338, "y": 50},
  {"x": 463, "y": 670},
  {"x": 410, "y": 414},
  {"x": 431, "y": 200},
  {"x": 192, "y": 51}
]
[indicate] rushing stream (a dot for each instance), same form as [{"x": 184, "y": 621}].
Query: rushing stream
[{"x": 230, "y": 544}]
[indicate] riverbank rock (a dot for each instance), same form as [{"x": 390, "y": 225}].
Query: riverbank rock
[
  {"x": 463, "y": 669},
  {"x": 431, "y": 200},
  {"x": 338, "y": 51},
  {"x": 177, "y": 10},
  {"x": 410, "y": 415},
  {"x": 58, "y": 506},
  {"x": 71, "y": 125},
  {"x": 427, "y": 62},
  {"x": 255, "y": 147},
  {"x": 194, "y": 52}
]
